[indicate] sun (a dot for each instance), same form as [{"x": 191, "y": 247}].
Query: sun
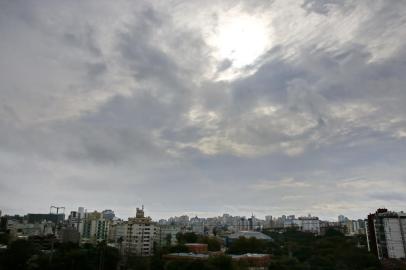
[{"x": 241, "y": 39}]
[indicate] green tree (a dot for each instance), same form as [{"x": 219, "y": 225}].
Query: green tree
[
  {"x": 138, "y": 263},
  {"x": 286, "y": 263},
  {"x": 248, "y": 245},
  {"x": 180, "y": 248},
  {"x": 156, "y": 261},
  {"x": 4, "y": 238},
  {"x": 188, "y": 237},
  {"x": 333, "y": 251},
  {"x": 220, "y": 263},
  {"x": 213, "y": 244},
  {"x": 186, "y": 265},
  {"x": 18, "y": 253},
  {"x": 168, "y": 239}
]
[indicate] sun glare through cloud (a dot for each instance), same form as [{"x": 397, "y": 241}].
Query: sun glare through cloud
[{"x": 240, "y": 39}]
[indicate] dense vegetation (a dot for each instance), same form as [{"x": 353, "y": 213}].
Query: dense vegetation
[
  {"x": 213, "y": 244},
  {"x": 290, "y": 250},
  {"x": 23, "y": 254},
  {"x": 295, "y": 250},
  {"x": 214, "y": 263},
  {"x": 251, "y": 245}
]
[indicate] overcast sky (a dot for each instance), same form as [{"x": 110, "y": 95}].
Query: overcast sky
[{"x": 203, "y": 107}]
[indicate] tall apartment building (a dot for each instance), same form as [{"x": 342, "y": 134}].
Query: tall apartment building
[
  {"x": 354, "y": 227},
  {"x": 75, "y": 219},
  {"x": 342, "y": 219},
  {"x": 118, "y": 234},
  {"x": 386, "y": 234},
  {"x": 310, "y": 224},
  {"x": 167, "y": 235},
  {"x": 118, "y": 231},
  {"x": 141, "y": 235},
  {"x": 304, "y": 224},
  {"x": 94, "y": 228},
  {"x": 268, "y": 222}
]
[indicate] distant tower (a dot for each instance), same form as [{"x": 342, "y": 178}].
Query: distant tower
[{"x": 140, "y": 212}]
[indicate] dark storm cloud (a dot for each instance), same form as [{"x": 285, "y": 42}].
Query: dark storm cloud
[{"x": 111, "y": 105}]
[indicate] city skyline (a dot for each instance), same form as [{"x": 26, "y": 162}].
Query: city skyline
[
  {"x": 191, "y": 215},
  {"x": 240, "y": 107}
]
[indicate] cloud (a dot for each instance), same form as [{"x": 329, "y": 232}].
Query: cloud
[
  {"x": 117, "y": 99},
  {"x": 264, "y": 185},
  {"x": 388, "y": 197}
]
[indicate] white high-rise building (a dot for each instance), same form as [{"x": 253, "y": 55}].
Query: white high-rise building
[
  {"x": 395, "y": 228},
  {"x": 304, "y": 224},
  {"x": 310, "y": 224},
  {"x": 387, "y": 234}
]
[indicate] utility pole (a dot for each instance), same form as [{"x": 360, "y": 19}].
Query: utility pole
[{"x": 57, "y": 211}]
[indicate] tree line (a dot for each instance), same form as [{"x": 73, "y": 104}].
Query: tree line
[{"x": 290, "y": 250}]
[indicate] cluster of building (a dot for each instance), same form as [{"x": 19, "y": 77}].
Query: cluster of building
[
  {"x": 139, "y": 235},
  {"x": 213, "y": 225},
  {"x": 314, "y": 225},
  {"x": 228, "y": 223}
]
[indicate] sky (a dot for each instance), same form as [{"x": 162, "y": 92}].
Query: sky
[{"x": 196, "y": 107}]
